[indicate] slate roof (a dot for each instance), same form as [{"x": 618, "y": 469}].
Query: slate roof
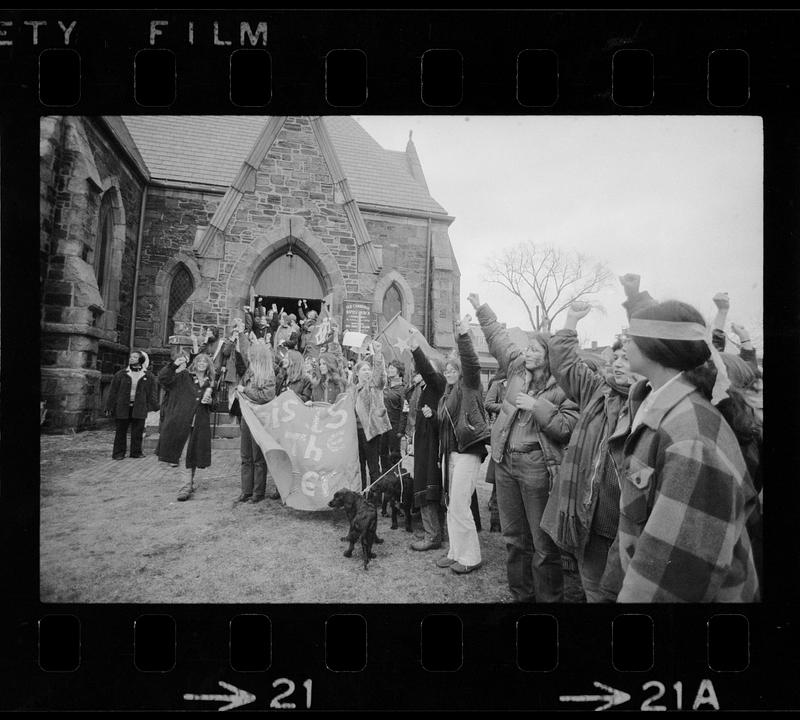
[{"x": 210, "y": 149}]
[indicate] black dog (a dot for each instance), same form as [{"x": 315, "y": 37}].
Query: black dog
[
  {"x": 397, "y": 489},
  {"x": 363, "y": 518}
]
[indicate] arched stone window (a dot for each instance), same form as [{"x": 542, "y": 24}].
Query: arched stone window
[
  {"x": 392, "y": 302},
  {"x": 181, "y": 287},
  {"x": 103, "y": 245}
]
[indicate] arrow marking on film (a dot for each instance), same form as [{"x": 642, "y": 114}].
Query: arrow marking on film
[
  {"x": 239, "y": 697},
  {"x": 617, "y": 697}
]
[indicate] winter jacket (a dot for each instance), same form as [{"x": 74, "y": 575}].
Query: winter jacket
[
  {"x": 550, "y": 423},
  {"x": 462, "y": 408},
  {"x": 232, "y": 361},
  {"x": 370, "y": 408},
  {"x": 257, "y": 394},
  {"x": 394, "y": 398},
  {"x": 494, "y": 397},
  {"x": 686, "y": 497},
  {"x": 589, "y": 469},
  {"x": 427, "y": 474},
  {"x": 301, "y": 387},
  {"x": 323, "y": 391},
  {"x": 118, "y": 402},
  {"x": 186, "y": 419}
]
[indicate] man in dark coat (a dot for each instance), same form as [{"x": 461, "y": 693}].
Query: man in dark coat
[{"x": 133, "y": 393}]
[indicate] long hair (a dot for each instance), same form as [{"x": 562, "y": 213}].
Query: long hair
[
  {"x": 543, "y": 339},
  {"x": 690, "y": 356},
  {"x": 455, "y": 361},
  {"x": 334, "y": 374},
  {"x": 210, "y": 372},
  {"x": 294, "y": 371},
  {"x": 260, "y": 368}
]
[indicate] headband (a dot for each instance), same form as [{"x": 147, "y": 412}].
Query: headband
[{"x": 668, "y": 330}]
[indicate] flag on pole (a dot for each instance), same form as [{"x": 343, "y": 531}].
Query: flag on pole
[
  {"x": 311, "y": 451},
  {"x": 394, "y": 340}
]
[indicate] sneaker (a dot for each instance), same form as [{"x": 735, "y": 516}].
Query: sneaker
[
  {"x": 422, "y": 545},
  {"x": 444, "y": 562},
  {"x": 244, "y": 497},
  {"x": 464, "y": 569}
]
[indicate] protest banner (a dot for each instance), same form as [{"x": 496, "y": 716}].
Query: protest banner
[
  {"x": 354, "y": 340},
  {"x": 311, "y": 451}
]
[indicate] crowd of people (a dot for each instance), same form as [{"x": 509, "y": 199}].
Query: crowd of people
[{"x": 643, "y": 473}]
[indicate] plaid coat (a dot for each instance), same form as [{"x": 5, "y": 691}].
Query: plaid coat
[{"x": 686, "y": 497}]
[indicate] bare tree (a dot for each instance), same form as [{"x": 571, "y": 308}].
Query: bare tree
[{"x": 548, "y": 278}]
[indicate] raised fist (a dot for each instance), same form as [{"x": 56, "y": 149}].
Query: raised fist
[
  {"x": 740, "y": 331},
  {"x": 722, "y": 301},
  {"x": 579, "y": 309},
  {"x": 376, "y": 346},
  {"x": 630, "y": 283},
  {"x": 474, "y": 300},
  {"x": 463, "y": 325}
]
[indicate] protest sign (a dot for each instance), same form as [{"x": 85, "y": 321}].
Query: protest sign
[{"x": 311, "y": 451}]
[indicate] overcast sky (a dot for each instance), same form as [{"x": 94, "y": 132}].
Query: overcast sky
[{"x": 677, "y": 200}]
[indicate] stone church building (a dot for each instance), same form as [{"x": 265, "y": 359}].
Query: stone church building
[{"x": 154, "y": 227}]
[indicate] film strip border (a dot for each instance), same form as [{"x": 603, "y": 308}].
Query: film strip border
[
  {"x": 398, "y": 62},
  {"x": 408, "y": 657},
  {"x": 155, "y": 78},
  {"x": 510, "y": 63}
]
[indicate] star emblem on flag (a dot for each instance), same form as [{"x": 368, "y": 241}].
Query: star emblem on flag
[{"x": 401, "y": 344}]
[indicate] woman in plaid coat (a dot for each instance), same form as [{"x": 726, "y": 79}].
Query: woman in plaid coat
[{"x": 685, "y": 491}]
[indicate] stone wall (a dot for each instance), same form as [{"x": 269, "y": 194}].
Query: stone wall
[
  {"x": 403, "y": 242},
  {"x": 83, "y": 333},
  {"x": 171, "y": 222},
  {"x": 292, "y": 182}
]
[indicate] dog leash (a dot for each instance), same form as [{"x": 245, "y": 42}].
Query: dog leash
[{"x": 385, "y": 474}]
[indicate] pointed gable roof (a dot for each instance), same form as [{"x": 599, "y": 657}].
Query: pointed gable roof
[{"x": 209, "y": 151}]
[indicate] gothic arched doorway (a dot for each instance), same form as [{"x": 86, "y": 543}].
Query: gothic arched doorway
[{"x": 287, "y": 279}]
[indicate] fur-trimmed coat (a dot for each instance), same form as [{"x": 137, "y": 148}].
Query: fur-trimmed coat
[{"x": 118, "y": 402}]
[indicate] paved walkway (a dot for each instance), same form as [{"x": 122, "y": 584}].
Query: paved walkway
[{"x": 225, "y": 464}]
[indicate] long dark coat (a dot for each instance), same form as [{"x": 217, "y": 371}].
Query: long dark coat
[
  {"x": 427, "y": 473},
  {"x": 185, "y": 419}
]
